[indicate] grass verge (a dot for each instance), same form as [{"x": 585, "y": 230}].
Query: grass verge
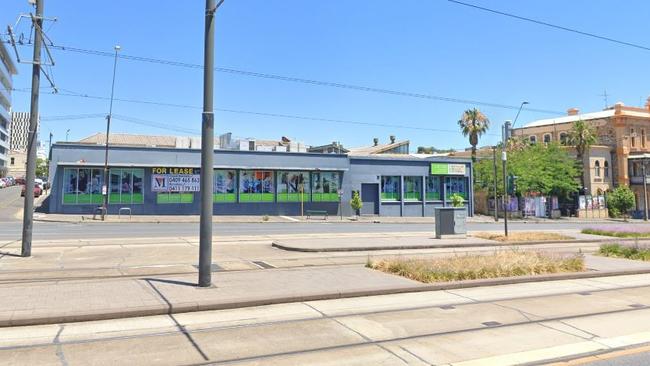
[
  {"x": 624, "y": 251},
  {"x": 522, "y": 236},
  {"x": 508, "y": 263},
  {"x": 619, "y": 233}
]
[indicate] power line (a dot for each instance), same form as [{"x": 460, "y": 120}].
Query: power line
[
  {"x": 587, "y": 34},
  {"x": 304, "y": 81},
  {"x": 236, "y": 111}
]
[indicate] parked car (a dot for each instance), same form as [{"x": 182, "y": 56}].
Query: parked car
[
  {"x": 3, "y": 183},
  {"x": 38, "y": 191},
  {"x": 20, "y": 181},
  {"x": 39, "y": 182}
]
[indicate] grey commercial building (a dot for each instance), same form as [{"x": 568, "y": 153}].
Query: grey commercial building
[
  {"x": 7, "y": 69},
  {"x": 165, "y": 180}
]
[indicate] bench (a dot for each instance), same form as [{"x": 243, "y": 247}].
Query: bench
[
  {"x": 99, "y": 210},
  {"x": 125, "y": 209},
  {"x": 311, "y": 213}
]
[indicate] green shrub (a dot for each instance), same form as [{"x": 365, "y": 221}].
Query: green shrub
[
  {"x": 457, "y": 200},
  {"x": 621, "y": 200},
  {"x": 356, "y": 204}
]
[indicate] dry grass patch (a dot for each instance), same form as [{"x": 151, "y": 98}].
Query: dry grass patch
[
  {"x": 508, "y": 263},
  {"x": 523, "y": 236}
]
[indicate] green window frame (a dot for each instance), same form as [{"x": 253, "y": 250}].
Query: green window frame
[
  {"x": 390, "y": 188},
  {"x": 433, "y": 188},
  {"x": 224, "y": 186},
  {"x": 456, "y": 185},
  {"x": 82, "y": 186},
  {"x": 126, "y": 185},
  {"x": 325, "y": 186},
  {"x": 256, "y": 186},
  {"x": 174, "y": 197},
  {"x": 293, "y": 186}
]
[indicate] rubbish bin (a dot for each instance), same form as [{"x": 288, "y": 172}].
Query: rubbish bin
[{"x": 450, "y": 222}]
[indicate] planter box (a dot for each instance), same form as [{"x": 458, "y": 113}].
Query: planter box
[{"x": 450, "y": 222}]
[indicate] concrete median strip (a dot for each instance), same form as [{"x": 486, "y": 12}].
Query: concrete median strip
[
  {"x": 75, "y": 301},
  {"x": 362, "y": 245}
]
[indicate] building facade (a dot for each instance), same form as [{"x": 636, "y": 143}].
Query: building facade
[
  {"x": 622, "y": 137},
  {"x": 165, "y": 180},
  {"x": 7, "y": 70}
]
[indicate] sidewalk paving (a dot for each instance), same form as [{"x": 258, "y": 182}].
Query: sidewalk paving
[
  {"x": 70, "y": 218},
  {"x": 49, "y": 302}
]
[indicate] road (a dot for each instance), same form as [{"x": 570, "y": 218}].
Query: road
[
  {"x": 10, "y": 203},
  {"x": 52, "y": 230},
  {"x": 512, "y": 324}
]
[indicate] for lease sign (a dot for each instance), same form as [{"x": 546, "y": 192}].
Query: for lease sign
[{"x": 164, "y": 179}]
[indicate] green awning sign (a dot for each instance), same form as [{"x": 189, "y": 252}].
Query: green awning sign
[{"x": 447, "y": 169}]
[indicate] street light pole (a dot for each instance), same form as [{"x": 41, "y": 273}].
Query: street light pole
[
  {"x": 108, "y": 129},
  {"x": 207, "y": 149},
  {"x": 496, "y": 203},
  {"x": 645, "y": 192}
]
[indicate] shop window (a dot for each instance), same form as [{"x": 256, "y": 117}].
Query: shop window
[
  {"x": 606, "y": 168},
  {"x": 413, "y": 188},
  {"x": 293, "y": 186},
  {"x": 547, "y": 138},
  {"x": 82, "y": 186},
  {"x": 390, "y": 188},
  {"x": 174, "y": 197},
  {"x": 325, "y": 186},
  {"x": 433, "y": 188},
  {"x": 255, "y": 186},
  {"x": 597, "y": 168},
  {"x": 125, "y": 186},
  {"x": 224, "y": 183},
  {"x": 456, "y": 185}
]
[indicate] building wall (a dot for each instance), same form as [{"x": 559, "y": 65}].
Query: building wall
[
  {"x": 354, "y": 172},
  {"x": 17, "y": 163},
  {"x": 7, "y": 69}
]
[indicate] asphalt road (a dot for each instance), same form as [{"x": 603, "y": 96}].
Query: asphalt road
[
  {"x": 52, "y": 230},
  {"x": 10, "y": 203}
]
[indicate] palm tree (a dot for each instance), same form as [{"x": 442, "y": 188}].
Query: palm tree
[
  {"x": 582, "y": 136},
  {"x": 473, "y": 123}
]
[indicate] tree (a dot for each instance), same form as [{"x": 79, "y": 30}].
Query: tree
[
  {"x": 545, "y": 169},
  {"x": 473, "y": 123},
  {"x": 582, "y": 136},
  {"x": 41, "y": 168},
  {"x": 620, "y": 201},
  {"x": 356, "y": 202}
]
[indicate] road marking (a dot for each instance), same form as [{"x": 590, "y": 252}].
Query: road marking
[{"x": 290, "y": 218}]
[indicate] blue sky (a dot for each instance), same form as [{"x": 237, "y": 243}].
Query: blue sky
[{"x": 422, "y": 46}]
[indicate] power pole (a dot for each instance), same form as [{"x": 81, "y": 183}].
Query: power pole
[
  {"x": 28, "y": 211},
  {"x": 645, "y": 192},
  {"x": 207, "y": 149},
  {"x": 105, "y": 191},
  {"x": 496, "y": 203},
  {"x": 504, "y": 158}
]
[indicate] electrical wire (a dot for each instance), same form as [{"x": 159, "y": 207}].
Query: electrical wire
[
  {"x": 304, "y": 81},
  {"x": 66, "y": 92},
  {"x": 555, "y": 26}
]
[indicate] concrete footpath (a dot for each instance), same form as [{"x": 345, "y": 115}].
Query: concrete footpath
[
  {"x": 49, "y": 302},
  {"x": 69, "y": 218}
]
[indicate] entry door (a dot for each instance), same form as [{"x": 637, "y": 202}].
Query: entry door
[{"x": 370, "y": 198}]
